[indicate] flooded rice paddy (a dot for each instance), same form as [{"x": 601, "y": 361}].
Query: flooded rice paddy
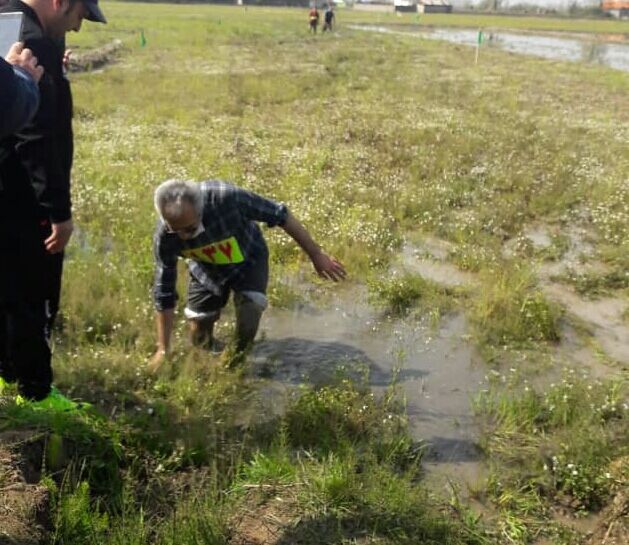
[
  {"x": 574, "y": 49},
  {"x": 435, "y": 367}
]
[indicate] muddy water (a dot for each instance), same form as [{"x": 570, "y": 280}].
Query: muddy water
[
  {"x": 436, "y": 370},
  {"x": 614, "y": 55},
  {"x": 428, "y": 262}
]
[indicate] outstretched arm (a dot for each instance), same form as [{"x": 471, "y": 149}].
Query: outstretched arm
[
  {"x": 164, "y": 320},
  {"x": 327, "y": 267}
]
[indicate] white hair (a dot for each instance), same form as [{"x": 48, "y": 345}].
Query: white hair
[{"x": 172, "y": 194}]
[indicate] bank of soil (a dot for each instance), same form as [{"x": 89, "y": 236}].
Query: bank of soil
[
  {"x": 24, "y": 504},
  {"x": 613, "y": 528},
  {"x": 95, "y": 58}
]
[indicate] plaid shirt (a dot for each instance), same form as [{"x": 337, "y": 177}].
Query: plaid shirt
[{"x": 232, "y": 241}]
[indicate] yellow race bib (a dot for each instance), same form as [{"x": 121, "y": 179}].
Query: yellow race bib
[{"x": 224, "y": 252}]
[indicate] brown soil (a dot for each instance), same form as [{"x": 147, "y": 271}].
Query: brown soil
[
  {"x": 263, "y": 520},
  {"x": 614, "y": 526},
  {"x": 24, "y": 505},
  {"x": 94, "y": 59}
]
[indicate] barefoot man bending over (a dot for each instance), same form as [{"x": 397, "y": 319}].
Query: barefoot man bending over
[{"x": 213, "y": 226}]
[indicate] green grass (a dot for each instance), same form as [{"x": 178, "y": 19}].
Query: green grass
[
  {"x": 400, "y": 294},
  {"x": 512, "y": 311},
  {"x": 562, "y": 444},
  {"x": 341, "y": 460},
  {"x": 596, "y": 285},
  {"x": 366, "y": 137}
]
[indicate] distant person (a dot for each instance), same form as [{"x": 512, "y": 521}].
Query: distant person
[
  {"x": 213, "y": 226},
  {"x": 313, "y": 18},
  {"x": 35, "y": 206},
  {"x": 328, "y": 19},
  {"x": 19, "y": 99}
]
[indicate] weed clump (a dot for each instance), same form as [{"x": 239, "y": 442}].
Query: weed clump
[
  {"x": 550, "y": 446},
  {"x": 400, "y": 294},
  {"x": 511, "y": 311},
  {"x": 331, "y": 417}
]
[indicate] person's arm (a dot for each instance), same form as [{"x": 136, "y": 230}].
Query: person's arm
[
  {"x": 164, "y": 320},
  {"x": 327, "y": 267},
  {"x": 164, "y": 294},
  {"x": 257, "y": 208},
  {"x": 19, "y": 75}
]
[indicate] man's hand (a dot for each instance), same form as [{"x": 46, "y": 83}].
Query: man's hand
[
  {"x": 66, "y": 59},
  {"x": 164, "y": 320},
  {"x": 327, "y": 267},
  {"x": 24, "y": 58},
  {"x": 156, "y": 361},
  {"x": 58, "y": 240}
]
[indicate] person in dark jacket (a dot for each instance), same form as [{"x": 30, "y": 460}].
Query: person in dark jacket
[
  {"x": 35, "y": 207},
  {"x": 19, "y": 100},
  {"x": 328, "y": 18}
]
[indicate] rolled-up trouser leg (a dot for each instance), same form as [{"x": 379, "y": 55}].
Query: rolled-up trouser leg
[
  {"x": 202, "y": 311},
  {"x": 249, "y": 308}
]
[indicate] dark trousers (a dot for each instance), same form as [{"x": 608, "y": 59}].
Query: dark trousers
[
  {"x": 53, "y": 270},
  {"x": 27, "y": 280}
]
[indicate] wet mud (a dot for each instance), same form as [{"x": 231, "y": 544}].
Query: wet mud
[
  {"x": 604, "y": 317},
  {"x": 428, "y": 260}
]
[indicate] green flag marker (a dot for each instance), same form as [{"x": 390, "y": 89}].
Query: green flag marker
[
  {"x": 478, "y": 42},
  {"x": 142, "y": 39}
]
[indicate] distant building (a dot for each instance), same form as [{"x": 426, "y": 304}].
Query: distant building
[
  {"x": 434, "y": 6},
  {"x": 405, "y": 5},
  {"x": 423, "y": 6},
  {"x": 617, "y": 8}
]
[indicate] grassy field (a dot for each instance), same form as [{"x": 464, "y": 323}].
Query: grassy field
[{"x": 370, "y": 140}]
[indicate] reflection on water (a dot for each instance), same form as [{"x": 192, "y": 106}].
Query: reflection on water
[{"x": 614, "y": 55}]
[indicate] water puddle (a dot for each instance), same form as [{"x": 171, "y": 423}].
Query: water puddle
[
  {"x": 613, "y": 55},
  {"x": 433, "y": 368},
  {"x": 604, "y": 316},
  {"x": 428, "y": 261}
]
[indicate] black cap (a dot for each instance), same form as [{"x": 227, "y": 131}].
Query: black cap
[{"x": 94, "y": 12}]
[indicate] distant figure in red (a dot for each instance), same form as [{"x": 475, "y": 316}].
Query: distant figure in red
[
  {"x": 328, "y": 18},
  {"x": 313, "y": 17}
]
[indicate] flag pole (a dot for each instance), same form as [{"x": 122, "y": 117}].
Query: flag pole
[{"x": 479, "y": 41}]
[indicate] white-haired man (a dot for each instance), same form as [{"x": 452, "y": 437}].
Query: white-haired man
[{"x": 213, "y": 226}]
